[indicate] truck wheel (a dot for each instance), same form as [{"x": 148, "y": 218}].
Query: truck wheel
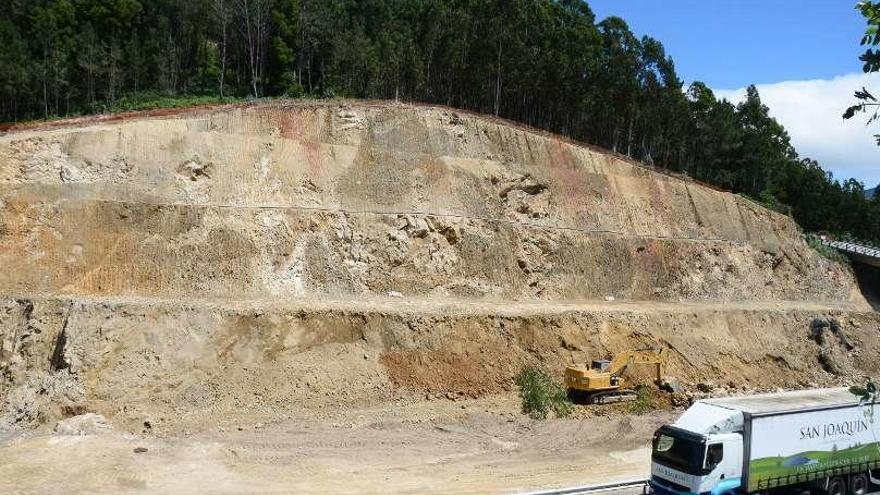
[
  {"x": 836, "y": 486},
  {"x": 858, "y": 484}
]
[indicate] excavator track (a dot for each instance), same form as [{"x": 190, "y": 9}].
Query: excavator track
[{"x": 612, "y": 396}]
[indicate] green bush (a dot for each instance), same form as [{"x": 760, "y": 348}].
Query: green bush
[
  {"x": 150, "y": 100},
  {"x": 767, "y": 200},
  {"x": 826, "y": 251},
  {"x": 540, "y": 394},
  {"x": 644, "y": 402}
]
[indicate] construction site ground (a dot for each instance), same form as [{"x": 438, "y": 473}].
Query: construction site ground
[
  {"x": 335, "y": 297},
  {"x": 410, "y": 446},
  {"x": 406, "y": 443}
]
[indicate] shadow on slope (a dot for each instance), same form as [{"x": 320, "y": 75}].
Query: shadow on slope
[{"x": 868, "y": 278}]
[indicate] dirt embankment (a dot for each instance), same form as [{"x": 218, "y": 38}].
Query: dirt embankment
[
  {"x": 297, "y": 259},
  {"x": 179, "y": 367}
]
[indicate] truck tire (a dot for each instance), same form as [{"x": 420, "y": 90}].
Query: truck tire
[
  {"x": 858, "y": 484},
  {"x": 836, "y": 486}
]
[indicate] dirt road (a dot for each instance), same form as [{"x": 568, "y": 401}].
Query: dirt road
[
  {"x": 461, "y": 306},
  {"x": 477, "y": 446}
]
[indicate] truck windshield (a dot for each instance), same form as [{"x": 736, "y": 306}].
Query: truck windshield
[{"x": 678, "y": 452}]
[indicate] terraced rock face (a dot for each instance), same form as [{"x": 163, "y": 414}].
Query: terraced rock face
[
  {"x": 328, "y": 200},
  {"x": 216, "y": 213}
]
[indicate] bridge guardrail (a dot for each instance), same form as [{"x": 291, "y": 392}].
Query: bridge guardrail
[
  {"x": 851, "y": 247},
  {"x": 854, "y": 248}
]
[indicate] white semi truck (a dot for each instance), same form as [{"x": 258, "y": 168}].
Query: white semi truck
[{"x": 821, "y": 440}]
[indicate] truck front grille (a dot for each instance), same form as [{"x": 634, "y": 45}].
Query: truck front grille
[{"x": 668, "y": 485}]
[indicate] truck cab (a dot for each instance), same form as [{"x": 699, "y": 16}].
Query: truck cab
[
  {"x": 700, "y": 453},
  {"x": 684, "y": 463},
  {"x": 822, "y": 441}
]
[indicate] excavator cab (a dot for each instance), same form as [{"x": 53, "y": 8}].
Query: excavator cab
[
  {"x": 603, "y": 380},
  {"x": 600, "y": 364}
]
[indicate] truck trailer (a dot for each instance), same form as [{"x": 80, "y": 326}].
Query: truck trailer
[{"x": 822, "y": 441}]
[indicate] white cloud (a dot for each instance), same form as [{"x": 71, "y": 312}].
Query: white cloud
[{"x": 811, "y": 112}]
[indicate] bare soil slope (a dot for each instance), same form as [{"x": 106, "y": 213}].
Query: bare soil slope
[
  {"x": 329, "y": 200},
  {"x": 183, "y": 273}
]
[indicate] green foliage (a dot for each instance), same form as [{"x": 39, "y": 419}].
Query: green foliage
[
  {"x": 871, "y": 12},
  {"x": 540, "y": 394},
  {"x": 153, "y": 100},
  {"x": 867, "y": 102},
  {"x": 826, "y": 251},
  {"x": 644, "y": 402},
  {"x": 769, "y": 201},
  {"x": 284, "y": 46},
  {"x": 867, "y": 394}
]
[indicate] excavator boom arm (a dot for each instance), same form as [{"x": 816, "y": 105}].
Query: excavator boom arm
[{"x": 638, "y": 356}]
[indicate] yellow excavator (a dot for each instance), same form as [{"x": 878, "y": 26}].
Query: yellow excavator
[{"x": 603, "y": 380}]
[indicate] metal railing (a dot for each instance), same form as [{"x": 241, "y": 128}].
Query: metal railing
[
  {"x": 577, "y": 490},
  {"x": 851, "y": 247}
]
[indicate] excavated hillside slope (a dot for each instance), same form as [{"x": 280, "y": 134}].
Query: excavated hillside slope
[
  {"x": 280, "y": 255},
  {"x": 331, "y": 201}
]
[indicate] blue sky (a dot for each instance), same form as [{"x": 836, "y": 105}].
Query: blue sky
[
  {"x": 802, "y": 54},
  {"x": 734, "y": 43}
]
